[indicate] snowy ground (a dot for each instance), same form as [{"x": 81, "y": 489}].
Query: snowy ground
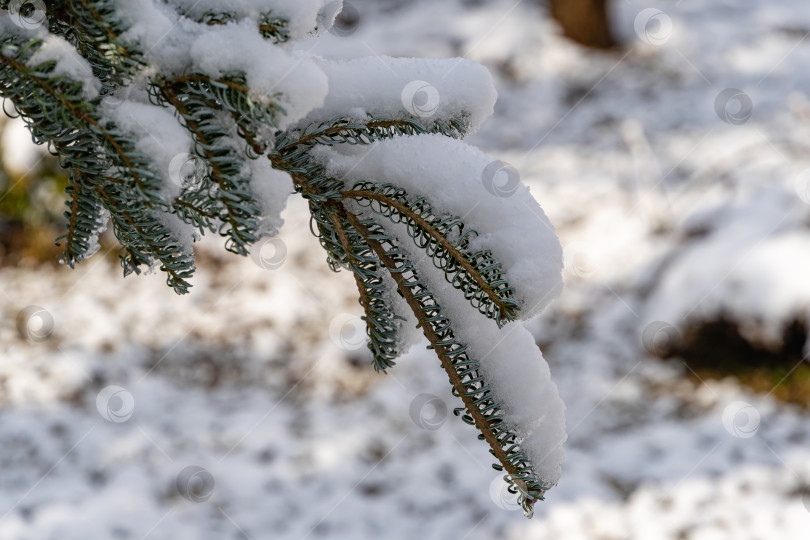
[{"x": 668, "y": 212}]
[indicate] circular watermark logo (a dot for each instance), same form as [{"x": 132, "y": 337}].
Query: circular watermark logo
[
  {"x": 500, "y": 179},
  {"x": 733, "y": 106},
  {"x": 35, "y": 323},
  {"x": 578, "y": 262},
  {"x": 115, "y": 404},
  {"x": 660, "y": 338},
  {"x": 420, "y": 98},
  {"x": 195, "y": 484},
  {"x": 187, "y": 171},
  {"x": 28, "y": 14},
  {"x": 653, "y": 26},
  {"x": 348, "y": 332},
  {"x": 269, "y": 253},
  {"x": 344, "y": 17},
  {"x": 501, "y": 496},
  {"x": 428, "y": 411},
  {"x": 119, "y": 96},
  {"x": 741, "y": 419}
]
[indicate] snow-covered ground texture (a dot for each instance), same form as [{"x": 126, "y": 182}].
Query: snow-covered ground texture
[{"x": 248, "y": 409}]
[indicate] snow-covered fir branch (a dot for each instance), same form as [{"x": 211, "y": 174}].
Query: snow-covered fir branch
[{"x": 179, "y": 117}]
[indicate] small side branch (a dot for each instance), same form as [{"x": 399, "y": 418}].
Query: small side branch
[{"x": 482, "y": 411}]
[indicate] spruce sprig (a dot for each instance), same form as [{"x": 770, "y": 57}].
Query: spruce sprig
[
  {"x": 229, "y": 127},
  {"x": 446, "y": 239}
]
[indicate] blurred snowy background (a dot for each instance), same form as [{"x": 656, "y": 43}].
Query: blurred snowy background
[{"x": 676, "y": 168}]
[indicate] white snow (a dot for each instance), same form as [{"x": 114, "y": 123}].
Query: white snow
[
  {"x": 157, "y": 133},
  {"x": 269, "y": 69},
  {"x": 509, "y": 358},
  {"x": 521, "y": 380},
  {"x": 95, "y": 245},
  {"x": 69, "y": 63},
  {"x": 163, "y": 35},
  {"x": 749, "y": 267},
  {"x": 428, "y": 90},
  {"x": 460, "y": 180},
  {"x": 175, "y": 45},
  {"x": 302, "y": 15},
  {"x": 638, "y": 175},
  {"x": 271, "y": 187}
]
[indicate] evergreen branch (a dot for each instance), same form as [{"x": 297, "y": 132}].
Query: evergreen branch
[
  {"x": 381, "y": 322},
  {"x": 62, "y": 23},
  {"x": 477, "y": 274},
  {"x": 255, "y": 146},
  {"x": 52, "y": 109},
  {"x": 84, "y": 220},
  {"x": 274, "y": 28},
  {"x": 100, "y": 28},
  {"x": 197, "y": 210},
  {"x": 57, "y": 113},
  {"x": 309, "y": 177},
  {"x": 339, "y": 130},
  {"x": 271, "y": 27},
  {"x": 109, "y": 173},
  {"x": 144, "y": 238},
  {"x": 480, "y": 409},
  {"x": 291, "y": 151},
  {"x": 234, "y": 205},
  {"x": 346, "y": 248},
  {"x": 215, "y": 18},
  {"x": 256, "y": 121}
]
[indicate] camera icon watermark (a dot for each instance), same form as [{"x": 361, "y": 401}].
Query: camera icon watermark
[
  {"x": 500, "y": 179},
  {"x": 660, "y": 338},
  {"x": 653, "y": 26},
  {"x": 501, "y": 495},
  {"x": 420, "y": 98},
  {"x": 348, "y": 332},
  {"x": 195, "y": 484},
  {"x": 269, "y": 253},
  {"x": 115, "y": 404},
  {"x": 28, "y": 14},
  {"x": 578, "y": 260},
  {"x": 343, "y": 16},
  {"x": 35, "y": 323},
  {"x": 428, "y": 411},
  {"x": 187, "y": 171},
  {"x": 741, "y": 419},
  {"x": 733, "y": 106}
]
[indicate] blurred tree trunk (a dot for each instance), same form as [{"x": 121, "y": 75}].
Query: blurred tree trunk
[{"x": 584, "y": 21}]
